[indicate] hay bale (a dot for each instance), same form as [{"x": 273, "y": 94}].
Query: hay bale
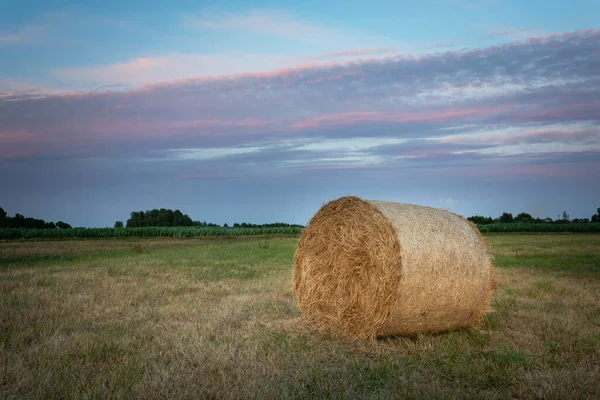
[{"x": 377, "y": 268}]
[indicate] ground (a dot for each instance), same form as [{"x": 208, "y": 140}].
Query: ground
[{"x": 215, "y": 318}]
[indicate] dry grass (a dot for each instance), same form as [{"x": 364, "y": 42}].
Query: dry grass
[{"x": 183, "y": 320}]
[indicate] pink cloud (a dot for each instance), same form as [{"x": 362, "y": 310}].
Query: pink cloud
[
  {"x": 264, "y": 105},
  {"x": 181, "y": 69},
  {"x": 174, "y": 68},
  {"x": 350, "y": 118}
]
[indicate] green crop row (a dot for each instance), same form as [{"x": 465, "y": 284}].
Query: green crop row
[
  {"x": 21, "y": 233},
  {"x": 539, "y": 227},
  {"x": 92, "y": 233}
]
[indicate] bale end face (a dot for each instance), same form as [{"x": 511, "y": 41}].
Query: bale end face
[{"x": 346, "y": 268}]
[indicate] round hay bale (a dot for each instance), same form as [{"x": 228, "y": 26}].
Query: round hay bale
[{"x": 376, "y": 268}]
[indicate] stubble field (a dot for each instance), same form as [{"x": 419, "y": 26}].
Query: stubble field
[{"x": 215, "y": 318}]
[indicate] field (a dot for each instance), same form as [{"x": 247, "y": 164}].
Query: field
[
  {"x": 167, "y": 231},
  {"x": 195, "y": 231},
  {"x": 214, "y": 318}
]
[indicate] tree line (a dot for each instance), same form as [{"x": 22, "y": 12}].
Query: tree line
[
  {"x": 20, "y": 221},
  {"x": 166, "y": 217},
  {"x": 527, "y": 218}
]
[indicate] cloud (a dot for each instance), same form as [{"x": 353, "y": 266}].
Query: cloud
[
  {"x": 146, "y": 70},
  {"x": 513, "y": 33},
  {"x": 342, "y": 119},
  {"x": 582, "y": 133},
  {"x": 211, "y": 153},
  {"x": 276, "y": 24},
  {"x": 354, "y": 53},
  {"x": 269, "y": 22},
  {"x": 25, "y": 35},
  {"x": 509, "y": 104}
]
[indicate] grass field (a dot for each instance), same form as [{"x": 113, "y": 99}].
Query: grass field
[{"x": 214, "y": 318}]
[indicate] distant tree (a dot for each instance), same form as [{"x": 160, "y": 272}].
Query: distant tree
[
  {"x": 3, "y": 218},
  {"x": 118, "y": 224},
  {"x": 63, "y": 225},
  {"x": 581, "y": 220},
  {"x": 596, "y": 217},
  {"x": 523, "y": 217},
  {"x": 225, "y": 225},
  {"x": 159, "y": 217},
  {"x": 20, "y": 221},
  {"x": 506, "y": 217},
  {"x": 480, "y": 220}
]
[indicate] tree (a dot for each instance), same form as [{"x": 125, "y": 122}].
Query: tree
[
  {"x": 596, "y": 217},
  {"x": 118, "y": 224},
  {"x": 63, "y": 225},
  {"x": 480, "y": 220},
  {"x": 20, "y": 221},
  {"x": 506, "y": 217},
  {"x": 225, "y": 225},
  {"x": 159, "y": 217},
  {"x": 523, "y": 217}
]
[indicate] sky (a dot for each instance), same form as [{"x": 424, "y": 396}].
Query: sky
[{"x": 263, "y": 111}]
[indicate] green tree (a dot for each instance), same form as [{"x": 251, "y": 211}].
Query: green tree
[
  {"x": 118, "y": 224},
  {"x": 506, "y": 217},
  {"x": 523, "y": 217},
  {"x": 63, "y": 225},
  {"x": 479, "y": 220},
  {"x": 159, "y": 217},
  {"x": 596, "y": 217}
]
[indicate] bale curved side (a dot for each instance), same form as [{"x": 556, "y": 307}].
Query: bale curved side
[
  {"x": 446, "y": 278},
  {"x": 346, "y": 270}
]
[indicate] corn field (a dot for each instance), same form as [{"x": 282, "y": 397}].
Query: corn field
[
  {"x": 537, "y": 227},
  {"x": 95, "y": 233}
]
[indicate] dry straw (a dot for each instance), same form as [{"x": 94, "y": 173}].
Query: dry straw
[{"x": 378, "y": 268}]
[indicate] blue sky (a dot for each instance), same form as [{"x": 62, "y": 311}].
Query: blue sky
[{"x": 262, "y": 111}]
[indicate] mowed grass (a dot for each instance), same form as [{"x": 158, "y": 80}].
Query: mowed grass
[{"x": 215, "y": 318}]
